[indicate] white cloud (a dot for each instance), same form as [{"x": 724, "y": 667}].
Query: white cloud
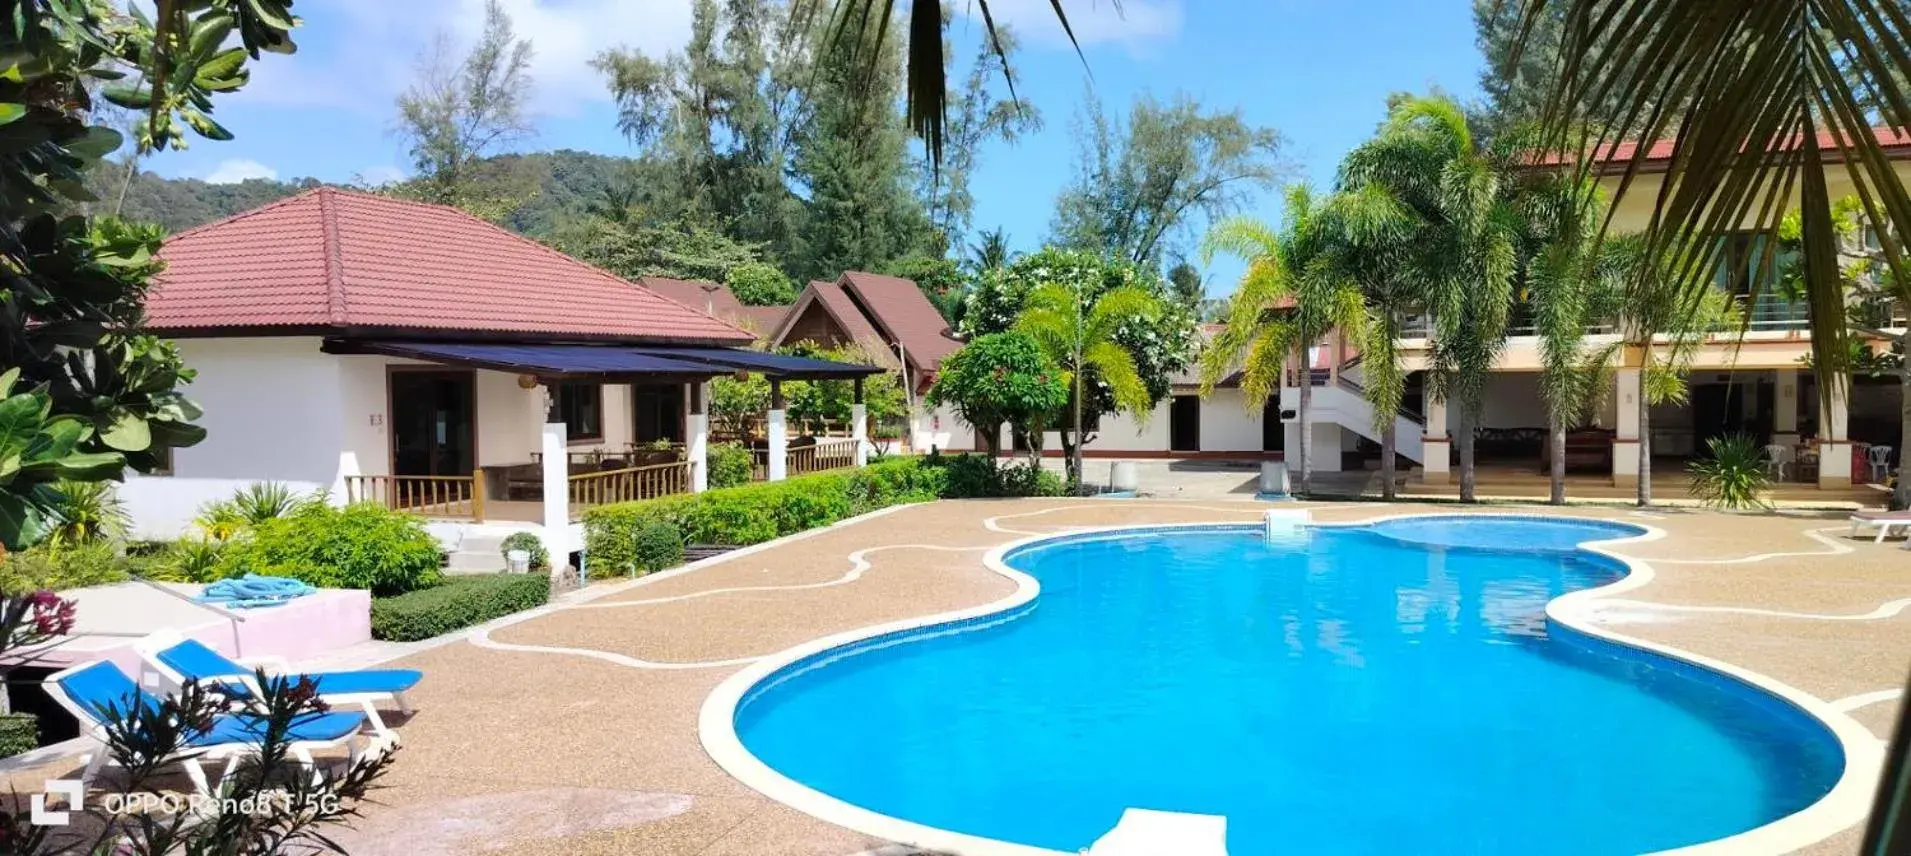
[
  {"x": 1094, "y": 22},
  {"x": 360, "y": 54},
  {"x": 235, "y": 170}
]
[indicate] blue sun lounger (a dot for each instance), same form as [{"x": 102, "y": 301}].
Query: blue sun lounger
[
  {"x": 179, "y": 659},
  {"x": 98, "y": 694}
]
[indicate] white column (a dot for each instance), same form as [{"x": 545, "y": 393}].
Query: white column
[
  {"x": 1437, "y": 464},
  {"x": 859, "y": 425},
  {"x": 1785, "y": 409},
  {"x": 557, "y": 494},
  {"x": 1834, "y": 450},
  {"x": 1625, "y": 442},
  {"x": 697, "y": 444},
  {"x": 859, "y": 429},
  {"x": 779, "y": 434}
]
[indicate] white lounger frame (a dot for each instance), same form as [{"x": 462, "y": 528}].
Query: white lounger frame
[
  {"x": 1884, "y": 526},
  {"x": 189, "y": 758},
  {"x": 149, "y": 647}
]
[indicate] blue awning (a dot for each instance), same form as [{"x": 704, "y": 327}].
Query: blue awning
[
  {"x": 772, "y": 365},
  {"x": 613, "y": 363}
]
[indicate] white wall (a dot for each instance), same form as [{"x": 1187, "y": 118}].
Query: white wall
[
  {"x": 940, "y": 428},
  {"x": 1120, "y": 432},
  {"x": 278, "y": 409},
  {"x": 272, "y": 410},
  {"x": 1227, "y": 425}
]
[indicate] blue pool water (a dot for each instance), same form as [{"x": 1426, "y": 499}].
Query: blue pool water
[{"x": 1382, "y": 690}]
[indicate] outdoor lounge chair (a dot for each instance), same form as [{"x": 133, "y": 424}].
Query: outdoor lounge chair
[
  {"x": 98, "y": 692},
  {"x": 179, "y": 659},
  {"x": 1884, "y": 520}
]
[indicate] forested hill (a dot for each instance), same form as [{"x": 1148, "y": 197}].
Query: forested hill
[{"x": 565, "y": 180}]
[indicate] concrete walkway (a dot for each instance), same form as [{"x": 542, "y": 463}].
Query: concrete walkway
[{"x": 574, "y": 730}]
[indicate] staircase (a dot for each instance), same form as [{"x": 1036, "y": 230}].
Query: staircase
[{"x": 1343, "y": 401}]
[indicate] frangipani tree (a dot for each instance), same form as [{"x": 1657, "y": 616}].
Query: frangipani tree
[
  {"x": 1077, "y": 330},
  {"x": 1000, "y": 378},
  {"x": 1290, "y": 297}
]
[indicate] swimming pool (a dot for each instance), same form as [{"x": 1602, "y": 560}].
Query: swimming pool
[{"x": 1380, "y": 689}]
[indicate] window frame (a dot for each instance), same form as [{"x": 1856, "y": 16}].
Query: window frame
[{"x": 571, "y": 397}]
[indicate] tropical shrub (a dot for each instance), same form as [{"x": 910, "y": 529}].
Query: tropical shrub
[
  {"x": 976, "y": 476},
  {"x": 655, "y": 545},
  {"x": 250, "y": 506},
  {"x": 19, "y": 732},
  {"x": 730, "y": 465},
  {"x": 754, "y": 513},
  {"x": 529, "y": 543},
  {"x": 458, "y": 602},
  {"x": 358, "y": 546},
  {"x": 90, "y": 511},
  {"x": 57, "y": 564},
  {"x": 187, "y": 560},
  {"x": 1732, "y": 475}
]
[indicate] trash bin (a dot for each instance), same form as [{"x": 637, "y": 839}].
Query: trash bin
[{"x": 1860, "y": 463}]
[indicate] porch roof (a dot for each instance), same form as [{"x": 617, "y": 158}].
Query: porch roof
[{"x": 605, "y": 362}]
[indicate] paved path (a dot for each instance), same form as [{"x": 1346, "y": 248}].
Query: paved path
[{"x": 574, "y": 731}]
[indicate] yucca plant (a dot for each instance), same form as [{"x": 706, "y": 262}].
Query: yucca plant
[
  {"x": 252, "y": 505},
  {"x": 90, "y": 511},
  {"x": 1732, "y": 475}
]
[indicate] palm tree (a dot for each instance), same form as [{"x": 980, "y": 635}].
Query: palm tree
[
  {"x": 1292, "y": 294},
  {"x": 1751, "y": 98},
  {"x": 1567, "y": 280},
  {"x": 1077, "y": 331},
  {"x": 989, "y": 252},
  {"x": 1455, "y": 247},
  {"x": 1661, "y": 330}
]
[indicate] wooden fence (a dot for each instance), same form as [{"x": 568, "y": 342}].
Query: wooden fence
[
  {"x": 630, "y": 483},
  {"x": 826, "y": 454},
  {"x": 459, "y": 497}
]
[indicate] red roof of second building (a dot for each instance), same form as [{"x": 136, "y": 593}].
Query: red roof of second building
[
  {"x": 903, "y": 312},
  {"x": 331, "y": 259}
]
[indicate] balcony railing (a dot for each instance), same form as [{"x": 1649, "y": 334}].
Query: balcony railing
[
  {"x": 630, "y": 484},
  {"x": 460, "y": 497},
  {"x": 826, "y": 454}
]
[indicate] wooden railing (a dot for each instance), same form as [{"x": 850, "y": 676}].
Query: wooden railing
[
  {"x": 432, "y": 496},
  {"x": 826, "y": 454},
  {"x": 630, "y": 483}
]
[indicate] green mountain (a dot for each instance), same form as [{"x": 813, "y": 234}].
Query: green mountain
[{"x": 564, "y": 179}]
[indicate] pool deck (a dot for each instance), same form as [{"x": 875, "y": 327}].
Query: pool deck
[{"x": 574, "y": 730}]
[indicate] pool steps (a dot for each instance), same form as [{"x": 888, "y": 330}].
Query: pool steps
[{"x": 1146, "y": 832}]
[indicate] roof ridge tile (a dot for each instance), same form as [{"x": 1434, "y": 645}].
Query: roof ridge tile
[{"x": 334, "y": 259}]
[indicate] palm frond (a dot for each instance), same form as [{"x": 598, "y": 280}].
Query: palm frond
[
  {"x": 1116, "y": 367},
  {"x": 1750, "y": 97}
]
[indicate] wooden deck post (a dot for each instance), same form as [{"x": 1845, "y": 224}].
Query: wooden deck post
[{"x": 477, "y": 493}]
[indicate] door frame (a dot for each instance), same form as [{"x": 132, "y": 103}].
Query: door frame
[
  {"x": 470, "y": 377},
  {"x": 1174, "y": 404}
]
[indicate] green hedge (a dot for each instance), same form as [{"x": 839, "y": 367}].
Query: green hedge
[
  {"x": 752, "y": 514},
  {"x": 19, "y": 732},
  {"x": 458, "y": 602},
  {"x": 359, "y": 546}
]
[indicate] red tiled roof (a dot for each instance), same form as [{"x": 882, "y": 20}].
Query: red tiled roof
[
  {"x": 1614, "y": 156},
  {"x": 904, "y": 313},
  {"x": 336, "y": 260},
  {"x": 837, "y": 303},
  {"x": 713, "y": 299}
]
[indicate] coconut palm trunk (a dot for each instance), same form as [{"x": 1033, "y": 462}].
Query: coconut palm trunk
[
  {"x": 1556, "y": 461},
  {"x": 1307, "y": 429},
  {"x": 1645, "y": 428},
  {"x": 1074, "y": 464},
  {"x": 1466, "y": 456},
  {"x": 1388, "y": 488}
]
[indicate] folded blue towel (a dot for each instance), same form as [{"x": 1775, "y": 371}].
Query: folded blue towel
[{"x": 253, "y": 590}]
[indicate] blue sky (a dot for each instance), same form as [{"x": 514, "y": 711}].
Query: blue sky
[{"x": 1318, "y": 71}]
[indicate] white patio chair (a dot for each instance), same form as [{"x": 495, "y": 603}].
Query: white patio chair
[
  {"x": 1879, "y": 460},
  {"x": 1778, "y": 460}
]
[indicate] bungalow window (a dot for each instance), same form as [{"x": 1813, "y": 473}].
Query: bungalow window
[{"x": 582, "y": 406}]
